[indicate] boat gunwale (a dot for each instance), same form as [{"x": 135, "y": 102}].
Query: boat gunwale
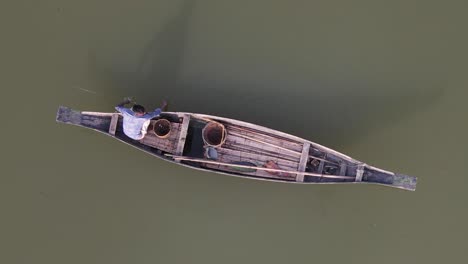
[{"x": 239, "y": 122}]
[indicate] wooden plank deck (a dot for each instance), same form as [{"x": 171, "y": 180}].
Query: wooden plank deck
[
  {"x": 252, "y": 146},
  {"x": 229, "y": 155},
  {"x": 268, "y": 139},
  {"x": 246, "y": 125},
  {"x": 233, "y": 141},
  {"x": 168, "y": 144}
]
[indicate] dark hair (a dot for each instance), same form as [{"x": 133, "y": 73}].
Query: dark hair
[{"x": 138, "y": 109}]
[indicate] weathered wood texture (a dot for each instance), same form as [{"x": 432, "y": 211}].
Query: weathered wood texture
[
  {"x": 251, "y": 126},
  {"x": 231, "y": 156},
  {"x": 252, "y": 147},
  {"x": 321, "y": 166},
  {"x": 264, "y": 137},
  {"x": 168, "y": 144},
  {"x": 113, "y": 124},
  {"x": 248, "y": 143},
  {"x": 342, "y": 168},
  {"x": 285, "y": 174},
  {"x": 68, "y": 116},
  {"x": 182, "y": 135},
  {"x": 303, "y": 162},
  {"x": 360, "y": 172}
]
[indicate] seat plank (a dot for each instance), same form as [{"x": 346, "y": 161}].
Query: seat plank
[
  {"x": 182, "y": 135},
  {"x": 113, "y": 124},
  {"x": 360, "y": 172},
  {"x": 303, "y": 162}
]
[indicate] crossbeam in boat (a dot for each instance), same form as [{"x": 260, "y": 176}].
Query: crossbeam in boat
[
  {"x": 322, "y": 165},
  {"x": 182, "y": 134},
  {"x": 360, "y": 172},
  {"x": 303, "y": 162},
  {"x": 113, "y": 124}
]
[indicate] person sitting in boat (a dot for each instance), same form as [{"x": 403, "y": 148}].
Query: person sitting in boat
[{"x": 135, "y": 119}]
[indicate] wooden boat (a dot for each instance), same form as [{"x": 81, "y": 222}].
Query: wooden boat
[{"x": 240, "y": 149}]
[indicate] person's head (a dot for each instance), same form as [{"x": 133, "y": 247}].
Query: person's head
[{"x": 139, "y": 110}]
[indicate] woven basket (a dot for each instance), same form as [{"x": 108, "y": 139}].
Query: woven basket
[
  {"x": 214, "y": 134},
  {"x": 162, "y": 128}
]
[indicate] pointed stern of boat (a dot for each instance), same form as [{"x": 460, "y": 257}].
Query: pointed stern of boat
[
  {"x": 387, "y": 178},
  {"x": 68, "y": 116},
  {"x": 404, "y": 182}
]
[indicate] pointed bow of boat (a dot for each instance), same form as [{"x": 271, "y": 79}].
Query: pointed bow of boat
[
  {"x": 404, "y": 182},
  {"x": 68, "y": 116}
]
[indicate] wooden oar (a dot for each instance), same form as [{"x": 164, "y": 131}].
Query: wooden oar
[{"x": 257, "y": 168}]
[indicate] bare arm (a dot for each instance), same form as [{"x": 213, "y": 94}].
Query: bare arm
[
  {"x": 157, "y": 111},
  {"x": 164, "y": 106},
  {"x": 125, "y": 101}
]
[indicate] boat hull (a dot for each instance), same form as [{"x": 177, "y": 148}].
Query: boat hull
[{"x": 297, "y": 160}]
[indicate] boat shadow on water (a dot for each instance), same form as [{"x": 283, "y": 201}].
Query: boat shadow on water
[
  {"x": 335, "y": 112},
  {"x": 332, "y": 113}
]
